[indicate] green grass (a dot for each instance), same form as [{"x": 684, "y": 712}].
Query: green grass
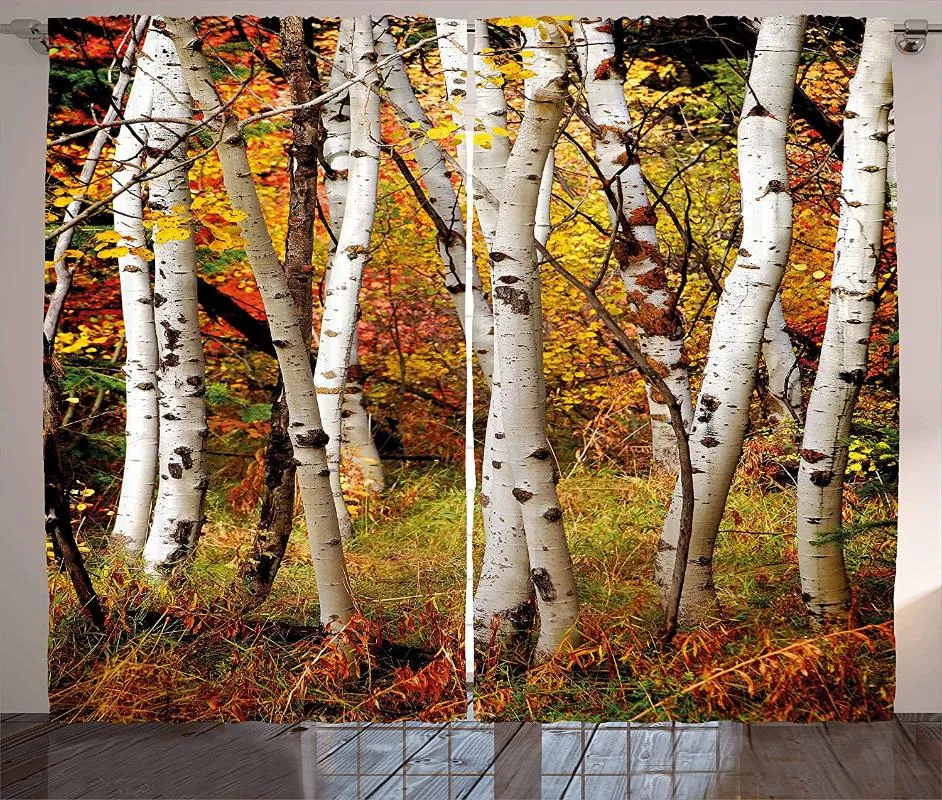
[{"x": 183, "y": 652}]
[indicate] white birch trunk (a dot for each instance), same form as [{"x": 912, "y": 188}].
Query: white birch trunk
[
  {"x": 137, "y": 302},
  {"x": 443, "y": 199},
  {"x": 722, "y": 411},
  {"x": 543, "y": 64},
  {"x": 504, "y": 592},
  {"x": 517, "y": 313},
  {"x": 181, "y": 389},
  {"x": 842, "y": 367},
  {"x": 356, "y": 437},
  {"x": 64, "y": 241},
  {"x": 346, "y": 272},
  {"x": 358, "y": 446},
  {"x": 643, "y": 273},
  {"x": 337, "y": 129},
  {"x": 307, "y": 434},
  {"x": 781, "y": 364}
]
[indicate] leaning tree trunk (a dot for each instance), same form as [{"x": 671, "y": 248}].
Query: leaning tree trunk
[
  {"x": 308, "y": 438},
  {"x": 781, "y": 365},
  {"x": 341, "y": 307},
  {"x": 652, "y": 303},
  {"x": 722, "y": 411},
  {"x": 443, "y": 200},
  {"x": 518, "y": 318},
  {"x": 357, "y": 444},
  {"x": 58, "y": 514},
  {"x": 137, "y": 303},
  {"x": 307, "y": 135},
  {"x": 183, "y": 479},
  {"x": 63, "y": 271},
  {"x": 504, "y": 592},
  {"x": 843, "y": 364}
]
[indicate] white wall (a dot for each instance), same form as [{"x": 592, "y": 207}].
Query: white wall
[{"x": 919, "y": 140}]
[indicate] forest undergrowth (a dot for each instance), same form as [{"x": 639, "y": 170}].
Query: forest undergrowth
[{"x": 182, "y": 651}]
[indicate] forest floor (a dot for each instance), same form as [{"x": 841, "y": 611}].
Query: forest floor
[{"x": 184, "y": 652}]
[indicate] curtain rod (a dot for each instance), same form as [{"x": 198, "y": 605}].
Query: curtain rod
[{"x": 911, "y": 35}]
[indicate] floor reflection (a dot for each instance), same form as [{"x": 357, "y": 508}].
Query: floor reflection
[{"x": 504, "y": 761}]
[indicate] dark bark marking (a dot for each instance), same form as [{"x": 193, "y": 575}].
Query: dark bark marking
[
  {"x": 312, "y": 438},
  {"x": 517, "y": 299},
  {"x": 543, "y": 583},
  {"x": 822, "y": 477}
]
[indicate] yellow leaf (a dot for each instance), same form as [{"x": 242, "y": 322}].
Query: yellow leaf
[
  {"x": 165, "y": 235},
  {"x": 415, "y": 125},
  {"x": 234, "y": 216},
  {"x": 483, "y": 139},
  {"x": 108, "y": 236},
  {"x": 113, "y": 252},
  {"x": 439, "y": 132},
  {"x": 62, "y": 202},
  {"x": 71, "y": 399},
  {"x": 143, "y": 252},
  {"x": 499, "y": 131},
  {"x": 74, "y": 253},
  {"x": 523, "y": 22},
  {"x": 817, "y": 274}
]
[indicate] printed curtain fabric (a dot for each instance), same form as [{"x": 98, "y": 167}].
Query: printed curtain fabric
[{"x": 350, "y": 321}]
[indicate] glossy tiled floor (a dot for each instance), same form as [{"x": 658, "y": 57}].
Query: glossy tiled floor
[{"x": 506, "y": 761}]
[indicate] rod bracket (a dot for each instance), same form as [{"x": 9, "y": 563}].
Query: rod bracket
[
  {"x": 911, "y": 37},
  {"x": 32, "y": 30}
]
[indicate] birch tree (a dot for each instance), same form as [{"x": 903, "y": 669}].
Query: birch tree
[
  {"x": 277, "y": 513},
  {"x": 308, "y": 438},
  {"x": 504, "y": 592},
  {"x": 643, "y": 273},
  {"x": 781, "y": 364},
  {"x": 357, "y": 444},
  {"x": 842, "y": 367},
  {"x": 132, "y": 520},
  {"x": 183, "y": 480},
  {"x": 518, "y": 324},
  {"x": 341, "y": 303},
  {"x": 722, "y": 410}
]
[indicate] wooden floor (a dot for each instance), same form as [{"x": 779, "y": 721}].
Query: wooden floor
[{"x": 504, "y": 761}]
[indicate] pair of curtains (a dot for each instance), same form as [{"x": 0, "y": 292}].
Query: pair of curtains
[{"x": 546, "y": 364}]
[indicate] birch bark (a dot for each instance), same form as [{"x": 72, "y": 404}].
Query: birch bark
[
  {"x": 517, "y": 313},
  {"x": 651, "y": 301},
  {"x": 722, "y": 410},
  {"x": 276, "y": 518},
  {"x": 132, "y": 520},
  {"x": 504, "y": 593},
  {"x": 842, "y": 367},
  {"x": 341, "y": 308},
  {"x": 781, "y": 364},
  {"x": 183, "y": 480},
  {"x": 307, "y": 434},
  {"x": 357, "y": 444}
]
